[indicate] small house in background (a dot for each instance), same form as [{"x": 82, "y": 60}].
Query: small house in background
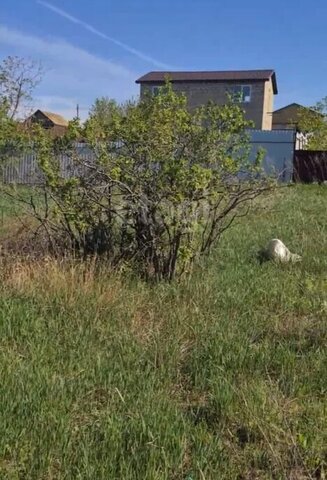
[
  {"x": 56, "y": 124},
  {"x": 254, "y": 90},
  {"x": 287, "y": 117}
]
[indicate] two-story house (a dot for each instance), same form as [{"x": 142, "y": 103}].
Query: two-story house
[{"x": 253, "y": 89}]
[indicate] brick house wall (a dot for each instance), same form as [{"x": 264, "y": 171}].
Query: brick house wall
[{"x": 198, "y": 93}]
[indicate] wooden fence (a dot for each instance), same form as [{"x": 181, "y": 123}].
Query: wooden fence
[{"x": 310, "y": 166}]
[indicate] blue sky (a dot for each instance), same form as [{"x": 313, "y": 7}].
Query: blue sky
[{"x": 91, "y": 48}]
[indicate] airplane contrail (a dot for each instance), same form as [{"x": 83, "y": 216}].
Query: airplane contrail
[{"x": 100, "y": 34}]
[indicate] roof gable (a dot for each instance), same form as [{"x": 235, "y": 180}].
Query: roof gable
[
  {"x": 291, "y": 114},
  {"x": 291, "y": 106},
  {"x": 55, "y": 118}
]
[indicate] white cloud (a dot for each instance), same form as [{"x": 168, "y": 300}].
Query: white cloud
[
  {"x": 66, "y": 106},
  {"x": 103, "y": 35},
  {"x": 72, "y": 75}
]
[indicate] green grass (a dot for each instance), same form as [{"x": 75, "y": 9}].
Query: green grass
[
  {"x": 220, "y": 377},
  {"x": 10, "y": 210}
]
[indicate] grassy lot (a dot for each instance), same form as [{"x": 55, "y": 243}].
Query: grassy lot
[{"x": 220, "y": 377}]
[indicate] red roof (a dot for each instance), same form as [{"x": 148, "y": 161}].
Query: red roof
[{"x": 212, "y": 76}]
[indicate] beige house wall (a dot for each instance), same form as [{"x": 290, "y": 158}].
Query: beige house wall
[{"x": 268, "y": 106}]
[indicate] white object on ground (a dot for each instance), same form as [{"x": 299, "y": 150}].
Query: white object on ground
[{"x": 277, "y": 251}]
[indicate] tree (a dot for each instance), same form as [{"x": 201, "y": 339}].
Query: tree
[
  {"x": 160, "y": 188},
  {"x": 103, "y": 109},
  {"x": 313, "y": 121},
  {"x": 13, "y": 137},
  {"x": 18, "y": 79}
]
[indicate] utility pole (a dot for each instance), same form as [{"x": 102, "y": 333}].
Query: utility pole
[{"x": 77, "y": 111}]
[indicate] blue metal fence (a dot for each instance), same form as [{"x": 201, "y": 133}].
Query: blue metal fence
[{"x": 278, "y": 146}]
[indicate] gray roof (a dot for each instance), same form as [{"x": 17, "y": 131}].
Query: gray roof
[{"x": 212, "y": 76}]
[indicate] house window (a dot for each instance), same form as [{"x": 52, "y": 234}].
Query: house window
[
  {"x": 155, "y": 90},
  {"x": 240, "y": 93}
]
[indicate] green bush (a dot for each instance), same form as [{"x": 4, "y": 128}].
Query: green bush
[{"x": 163, "y": 184}]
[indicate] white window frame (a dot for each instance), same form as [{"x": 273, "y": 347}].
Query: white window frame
[{"x": 244, "y": 99}]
